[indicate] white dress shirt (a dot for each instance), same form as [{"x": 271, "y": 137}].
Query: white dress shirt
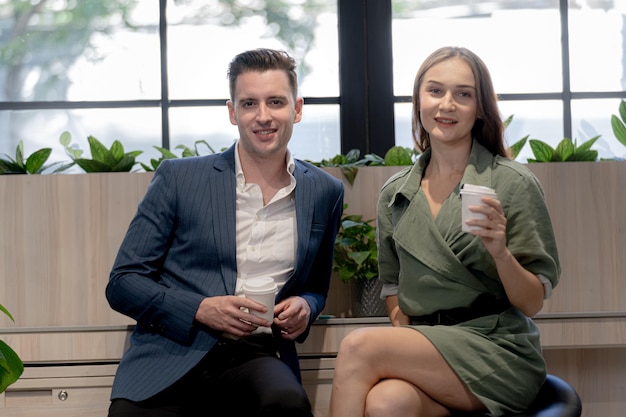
[{"x": 266, "y": 235}]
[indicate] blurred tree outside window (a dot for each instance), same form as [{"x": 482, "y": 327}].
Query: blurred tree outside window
[{"x": 93, "y": 67}]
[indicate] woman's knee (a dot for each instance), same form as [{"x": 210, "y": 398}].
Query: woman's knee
[
  {"x": 392, "y": 397},
  {"x": 358, "y": 344}
]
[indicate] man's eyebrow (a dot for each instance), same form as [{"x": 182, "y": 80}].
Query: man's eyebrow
[
  {"x": 278, "y": 97},
  {"x": 281, "y": 97}
]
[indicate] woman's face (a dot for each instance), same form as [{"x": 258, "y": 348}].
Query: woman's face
[{"x": 448, "y": 103}]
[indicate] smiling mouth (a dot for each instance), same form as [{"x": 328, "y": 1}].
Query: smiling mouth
[
  {"x": 445, "y": 121},
  {"x": 265, "y": 131}
]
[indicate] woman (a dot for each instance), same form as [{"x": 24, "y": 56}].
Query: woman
[{"x": 460, "y": 303}]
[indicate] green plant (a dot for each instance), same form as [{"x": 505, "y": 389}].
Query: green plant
[
  {"x": 566, "y": 150},
  {"x": 618, "y": 123},
  {"x": 103, "y": 159},
  {"x": 350, "y": 163},
  {"x": 167, "y": 154},
  {"x": 356, "y": 252},
  {"x": 33, "y": 164},
  {"x": 517, "y": 147},
  {"x": 11, "y": 366}
]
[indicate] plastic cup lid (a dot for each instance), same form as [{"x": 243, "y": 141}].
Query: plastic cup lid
[
  {"x": 260, "y": 285},
  {"x": 477, "y": 189}
]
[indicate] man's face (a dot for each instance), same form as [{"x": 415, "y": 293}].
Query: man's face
[{"x": 264, "y": 110}]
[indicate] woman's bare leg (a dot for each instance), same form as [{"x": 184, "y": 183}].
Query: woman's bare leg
[
  {"x": 398, "y": 398},
  {"x": 369, "y": 355}
]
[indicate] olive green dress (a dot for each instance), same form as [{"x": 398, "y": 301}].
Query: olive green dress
[{"x": 436, "y": 266}]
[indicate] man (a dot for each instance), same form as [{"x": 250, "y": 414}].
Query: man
[{"x": 205, "y": 226}]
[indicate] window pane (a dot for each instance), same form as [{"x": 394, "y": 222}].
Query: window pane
[
  {"x": 80, "y": 50},
  {"x": 138, "y": 129},
  {"x": 593, "y": 117},
  {"x": 191, "y": 124},
  {"x": 402, "y": 113},
  {"x": 541, "y": 120},
  {"x": 520, "y": 43},
  {"x": 202, "y": 39},
  {"x": 597, "y": 42},
  {"x": 315, "y": 138}
]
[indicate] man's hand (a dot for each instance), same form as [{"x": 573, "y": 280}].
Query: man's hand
[
  {"x": 227, "y": 314},
  {"x": 292, "y": 317}
]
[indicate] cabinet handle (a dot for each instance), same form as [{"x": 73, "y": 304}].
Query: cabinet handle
[{"x": 63, "y": 395}]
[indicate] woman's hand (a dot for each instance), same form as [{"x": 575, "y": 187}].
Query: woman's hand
[
  {"x": 523, "y": 288},
  {"x": 492, "y": 229}
]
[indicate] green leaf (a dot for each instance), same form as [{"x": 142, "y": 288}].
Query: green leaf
[
  {"x": 65, "y": 139},
  {"x": 63, "y": 166},
  {"x": 11, "y": 366},
  {"x": 353, "y": 156},
  {"x": 350, "y": 171},
  {"x": 148, "y": 168},
  {"x": 125, "y": 165},
  {"x": 565, "y": 149},
  {"x": 166, "y": 152},
  {"x": 91, "y": 165},
  {"x": 99, "y": 152},
  {"x": 517, "y": 147},
  {"x": 542, "y": 151},
  {"x": 508, "y": 121},
  {"x": 398, "y": 155},
  {"x": 619, "y": 129},
  {"x": 5, "y": 311},
  {"x": 203, "y": 142},
  {"x": 10, "y": 167},
  {"x": 19, "y": 154},
  {"x": 37, "y": 159},
  {"x": 584, "y": 155},
  {"x": 370, "y": 159},
  {"x": 187, "y": 152},
  {"x": 117, "y": 150},
  {"x": 73, "y": 151},
  {"x": 622, "y": 110},
  {"x": 585, "y": 146},
  {"x": 359, "y": 257}
]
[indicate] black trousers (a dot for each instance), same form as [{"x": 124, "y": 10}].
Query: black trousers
[{"x": 236, "y": 378}]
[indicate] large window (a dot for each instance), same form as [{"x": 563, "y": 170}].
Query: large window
[
  {"x": 558, "y": 66},
  {"x": 153, "y": 73}
]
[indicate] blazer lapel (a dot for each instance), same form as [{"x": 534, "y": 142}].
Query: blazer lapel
[
  {"x": 304, "y": 212},
  {"x": 223, "y": 208}
]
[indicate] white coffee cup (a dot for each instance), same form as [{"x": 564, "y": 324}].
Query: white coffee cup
[
  {"x": 262, "y": 290},
  {"x": 471, "y": 196}
]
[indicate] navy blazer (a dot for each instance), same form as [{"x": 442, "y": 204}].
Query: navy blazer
[{"x": 180, "y": 247}]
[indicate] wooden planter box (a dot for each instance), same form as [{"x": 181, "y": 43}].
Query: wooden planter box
[{"x": 60, "y": 234}]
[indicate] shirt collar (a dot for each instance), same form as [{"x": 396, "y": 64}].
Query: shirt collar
[{"x": 291, "y": 165}]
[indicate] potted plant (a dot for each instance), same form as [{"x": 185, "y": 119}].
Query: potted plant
[
  {"x": 356, "y": 261},
  {"x": 349, "y": 164},
  {"x": 33, "y": 164}
]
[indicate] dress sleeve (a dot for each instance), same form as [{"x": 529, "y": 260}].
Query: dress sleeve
[
  {"x": 530, "y": 235},
  {"x": 388, "y": 264}
]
